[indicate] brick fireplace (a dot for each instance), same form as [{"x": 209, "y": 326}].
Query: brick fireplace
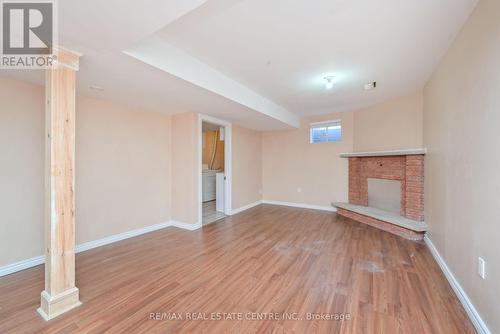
[
  {"x": 405, "y": 166},
  {"x": 408, "y": 169}
]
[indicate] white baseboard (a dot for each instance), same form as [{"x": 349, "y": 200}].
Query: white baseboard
[
  {"x": 246, "y": 207},
  {"x": 21, "y": 265},
  {"x": 295, "y": 205},
  {"x": 118, "y": 237},
  {"x": 301, "y": 205},
  {"x": 38, "y": 260},
  {"x": 185, "y": 226},
  {"x": 457, "y": 288}
]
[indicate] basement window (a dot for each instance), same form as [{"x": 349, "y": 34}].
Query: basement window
[{"x": 325, "y": 132}]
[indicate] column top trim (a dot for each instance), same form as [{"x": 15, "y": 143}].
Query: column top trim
[{"x": 67, "y": 58}]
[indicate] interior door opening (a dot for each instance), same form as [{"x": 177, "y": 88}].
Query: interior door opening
[{"x": 213, "y": 171}]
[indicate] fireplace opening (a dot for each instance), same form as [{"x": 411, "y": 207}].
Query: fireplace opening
[{"x": 384, "y": 194}]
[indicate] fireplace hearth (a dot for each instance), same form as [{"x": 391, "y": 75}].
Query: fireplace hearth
[{"x": 404, "y": 166}]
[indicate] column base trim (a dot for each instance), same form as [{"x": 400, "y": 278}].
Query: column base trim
[{"x": 53, "y": 306}]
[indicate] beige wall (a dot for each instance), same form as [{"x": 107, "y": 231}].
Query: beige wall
[
  {"x": 246, "y": 167},
  {"x": 395, "y": 124},
  {"x": 291, "y": 162},
  {"x": 22, "y": 128},
  {"x": 185, "y": 134},
  {"x": 122, "y": 169},
  {"x": 462, "y": 179}
]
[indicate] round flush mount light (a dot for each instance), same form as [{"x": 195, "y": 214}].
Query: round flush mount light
[
  {"x": 370, "y": 85},
  {"x": 329, "y": 81}
]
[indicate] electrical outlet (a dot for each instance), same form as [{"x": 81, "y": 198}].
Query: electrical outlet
[
  {"x": 481, "y": 267},
  {"x": 299, "y": 189}
]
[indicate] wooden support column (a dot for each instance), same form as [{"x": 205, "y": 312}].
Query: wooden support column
[{"x": 60, "y": 294}]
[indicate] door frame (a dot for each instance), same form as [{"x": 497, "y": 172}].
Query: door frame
[{"x": 227, "y": 163}]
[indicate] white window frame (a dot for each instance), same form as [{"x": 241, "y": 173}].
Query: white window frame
[{"x": 334, "y": 122}]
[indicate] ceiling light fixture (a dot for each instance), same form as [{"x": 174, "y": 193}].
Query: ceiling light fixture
[
  {"x": 370, "y": 85},
  {"x": 329, "y": 81}
]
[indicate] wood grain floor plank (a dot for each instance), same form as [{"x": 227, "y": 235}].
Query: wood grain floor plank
[{"x": 268, "y": 259}]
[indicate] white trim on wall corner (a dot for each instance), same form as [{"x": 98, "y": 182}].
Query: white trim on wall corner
[
  {"x": 473, "y": 314},
  {"x": 38, "y": 260},
  {"x": 301, "y": 205},
  {"x": 245, "y": 207},
  {"x": 185, "y": 226}
]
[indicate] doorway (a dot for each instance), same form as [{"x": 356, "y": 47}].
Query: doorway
[{"x": 214, "y": 169}]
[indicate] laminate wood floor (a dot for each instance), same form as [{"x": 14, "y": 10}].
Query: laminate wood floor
[{"x": 269, "y": 261}]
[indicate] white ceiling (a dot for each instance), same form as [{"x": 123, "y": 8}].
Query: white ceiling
[
  {"x": 258, "y": 63},
  {"x": 283, "y": 49}
]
